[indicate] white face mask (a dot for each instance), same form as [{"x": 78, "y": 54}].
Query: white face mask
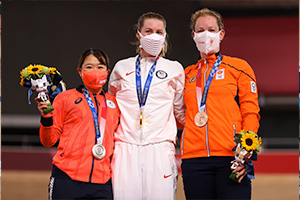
[
  {"x": 153, "y": 43},
  {"x": 207, "y": 42}
]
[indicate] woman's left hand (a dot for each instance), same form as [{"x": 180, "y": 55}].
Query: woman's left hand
[{"x": 242, "y": 172}]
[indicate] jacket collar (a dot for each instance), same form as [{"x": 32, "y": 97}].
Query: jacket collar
[{"x": 80, "y": 89}]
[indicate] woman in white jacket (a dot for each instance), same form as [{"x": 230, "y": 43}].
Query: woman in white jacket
[{"x": 149, "y": 92}]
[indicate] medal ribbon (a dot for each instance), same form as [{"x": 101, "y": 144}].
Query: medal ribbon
[
  {"x": 201, "y": 105},
  {"x": 142, "y": 95},
  {"x": 198, "y": 87},
  {"x": 98, "y": 129}
]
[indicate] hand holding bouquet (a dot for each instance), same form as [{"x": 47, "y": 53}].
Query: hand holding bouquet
[
  {"x": 248, "y": 143},
  {"x": 46, "y": 81}
]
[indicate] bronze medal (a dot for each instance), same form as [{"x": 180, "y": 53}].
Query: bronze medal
[
  {"x": 98, "y": 151},
  {"x": 200, "y": 119}
]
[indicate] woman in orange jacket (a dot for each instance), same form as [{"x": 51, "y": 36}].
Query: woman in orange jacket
[
  {"x": 83, "y": 120},
  {"x": 221, "y": 99}
]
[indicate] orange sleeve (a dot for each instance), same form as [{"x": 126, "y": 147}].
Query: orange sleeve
[{"x": 248, "y": 98}]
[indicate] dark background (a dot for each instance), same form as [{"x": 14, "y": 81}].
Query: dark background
[{"x": 55, "y": 33}]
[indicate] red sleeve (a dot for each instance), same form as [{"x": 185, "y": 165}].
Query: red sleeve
[{"x": 51, "y": 128}]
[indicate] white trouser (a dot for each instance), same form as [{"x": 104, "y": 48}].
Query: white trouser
[{"x": 144, "y": 172}]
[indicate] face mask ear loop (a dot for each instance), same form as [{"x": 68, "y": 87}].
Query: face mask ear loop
[
  {"x": 80, "y": 72},
  {"x": 165, "y": 34},
  {"x": 140, "y": 39},
  {"x": 220, "y": 36},
  {"x": 140, "y": 34},
  {"x": 194, "y": 34}
]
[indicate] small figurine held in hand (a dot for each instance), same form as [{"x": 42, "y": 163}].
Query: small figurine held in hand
[
  {"x": 46, "y": 81},
  {"x": 40, "y": 86}
]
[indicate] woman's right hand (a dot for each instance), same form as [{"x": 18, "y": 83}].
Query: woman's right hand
[
  {"x": 242, "y": 172},
  {"x": 41, "y": 105}
]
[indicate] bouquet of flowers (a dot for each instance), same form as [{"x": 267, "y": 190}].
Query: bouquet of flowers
[
  {"x": 248, "y": 143},
  {"x": 46, "y": 81}
]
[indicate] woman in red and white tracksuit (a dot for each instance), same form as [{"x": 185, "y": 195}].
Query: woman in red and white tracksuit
[{"x": 149, "y": 92}]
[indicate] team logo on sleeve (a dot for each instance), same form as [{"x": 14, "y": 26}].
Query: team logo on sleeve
[
  {"x": 220, "y": 74},
  {"x": 110, "y": 104},
  {"x": 161, "y": 74},
  {"x": 253, "y": 86}
]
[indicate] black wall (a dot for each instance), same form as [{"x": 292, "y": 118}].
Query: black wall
[{"x": 55, "y": 33}]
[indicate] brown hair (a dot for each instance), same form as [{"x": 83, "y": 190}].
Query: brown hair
[
  {"x": 203, "y": 12},
  {"x": 140, "y": 24},
  {"x": 98, "y": 53}
]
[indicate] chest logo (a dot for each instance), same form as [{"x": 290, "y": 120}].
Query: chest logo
[
  {"x": 128, "y": 73},
  {"x": 110, "y": 104},
  {"x": 161, "y": 74},
  {"x": 78, "y": 100},
  {"x": 220, "y": 74},
  {"x": 193, "y": 79}
]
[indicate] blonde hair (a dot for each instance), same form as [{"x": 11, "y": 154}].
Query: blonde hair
[
  {"x": 140, "y": 24},
  {"x": 203, "y": 12}
]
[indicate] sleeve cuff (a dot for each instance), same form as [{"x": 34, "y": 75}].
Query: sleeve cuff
[
  {"x": 250, "y": 170},
  {"x": 46, "y": 121}
]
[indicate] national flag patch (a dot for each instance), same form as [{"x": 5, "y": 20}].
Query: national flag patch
[
  {"x": 220, "y": 74},
  {"x": 110, "y": 104},
  {"x": 161, "y": 74}
]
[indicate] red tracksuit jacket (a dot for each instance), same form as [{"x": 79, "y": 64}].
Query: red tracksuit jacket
[{"x": 73, "y": 126}]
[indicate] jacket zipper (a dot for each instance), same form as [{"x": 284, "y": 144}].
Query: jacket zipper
[
  {"x": 234, "y": 133},
  {"x": 206, "y": 130},
  {"x": 233, "y": 130},
  {"x": 93, "y": 161},
  {"x": 142, "y": 108},
  {"x": 141, "y": 125},
  {"x": 90, "y": 179},
  {"x": 183, "y": 132}
]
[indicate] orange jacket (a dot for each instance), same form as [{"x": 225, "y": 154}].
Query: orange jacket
[
  {"x": 233, "y": 80},
  {"x": 73, "y": 125}
]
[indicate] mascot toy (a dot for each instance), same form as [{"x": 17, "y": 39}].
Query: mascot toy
[{"x": 46, "y": 81}]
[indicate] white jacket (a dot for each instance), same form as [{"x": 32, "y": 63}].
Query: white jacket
[{"x": 164, "y": 102}]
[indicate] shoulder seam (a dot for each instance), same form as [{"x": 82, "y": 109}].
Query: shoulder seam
[
  {"x": 190, "y": 70},
  {"x": 239, "y": 70}
]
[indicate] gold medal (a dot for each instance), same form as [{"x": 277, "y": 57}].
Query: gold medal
[
  {"x": 200, "y": 119},
  {"x": 141, "y": 119}
]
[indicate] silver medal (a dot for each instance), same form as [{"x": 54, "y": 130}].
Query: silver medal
[{"x": 98, "y": 151}]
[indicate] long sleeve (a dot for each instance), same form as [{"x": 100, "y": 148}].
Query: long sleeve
[
  {"x": 179, "y": 107},
  {"x": 51, "y": 128},
  {"x": 114, "y": 82},
  {"x": 248, "y": 99}
]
